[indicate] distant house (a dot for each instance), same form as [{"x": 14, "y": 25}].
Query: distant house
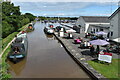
[
  {"x": 115, "y": 24},
  {"x": 84, "y": 22}
]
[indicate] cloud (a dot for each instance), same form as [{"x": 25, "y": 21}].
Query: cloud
[
  {"x": 44, "y": 14},
  {"x": 66, "y": 8},
  {"x": 102, "y": 14},
  {"x": 65, "y": 1},
  {"x": 56, "y": 7},
  {"x": 61, "y": 14},
  {"x": 44, "y": 6}
]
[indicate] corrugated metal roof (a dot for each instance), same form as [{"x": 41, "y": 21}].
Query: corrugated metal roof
[{"x": 97, "y": 19}]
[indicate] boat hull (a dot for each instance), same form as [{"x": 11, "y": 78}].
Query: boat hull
[
  {"x": 16, "y": 58},
  {"x": 48, "y": 31}
]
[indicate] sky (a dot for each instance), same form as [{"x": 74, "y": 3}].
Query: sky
[{"x": 67, "y": 9}]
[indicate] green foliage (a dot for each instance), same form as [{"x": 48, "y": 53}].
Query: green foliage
[
  {"x": 6, "y": 29},
  {"x": 25, "y": 21},
  {"x": 4, "y": 65},
  {"x": 110, "y": 71},
  {"x": 4, "y": 74},
  {"x": 56, "y": 18},
  {"x": 6, "y": 40},
  {"x": 12, "y": 19},
  {"x": 30, "y": 16}
]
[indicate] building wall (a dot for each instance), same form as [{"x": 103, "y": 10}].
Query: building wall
[
  {"x": 97, "y": 29},
  {"x": 114, "y": 26},
  {"x": 81, "y": 22},
  {"x": 88, "y": 26},
  {"x": 85, "y": 25},
  {"x": 119, "y": 25}
]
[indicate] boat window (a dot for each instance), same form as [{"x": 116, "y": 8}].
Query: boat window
[
  {"x": 23, "y": 47},
  {"x": 18, "y": 40}
]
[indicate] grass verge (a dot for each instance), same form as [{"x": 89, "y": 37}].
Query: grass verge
[
  {"x": 110, "y": 71},
  {"x": 5, "y": 66}
]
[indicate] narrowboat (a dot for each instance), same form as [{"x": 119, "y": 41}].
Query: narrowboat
[
  {"x": 18, "y": 48},
  {"x": 31, "y": 26},
  {"x": 48, "y": 30}
]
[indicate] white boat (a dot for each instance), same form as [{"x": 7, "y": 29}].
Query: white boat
[{"x": 49, "y": 30}]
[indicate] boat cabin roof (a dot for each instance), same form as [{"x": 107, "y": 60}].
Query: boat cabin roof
[
  {"x": 18, "y": 39},
  {"x": 17, "y": 45}
]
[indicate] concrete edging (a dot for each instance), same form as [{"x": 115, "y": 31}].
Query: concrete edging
[{"x": 78, "y": 59}]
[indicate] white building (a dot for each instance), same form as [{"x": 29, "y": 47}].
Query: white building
[
  {"x": 115, "y": 24},
  {"x": 98, "y": 27},
  {"x": 84, "y": 22}
]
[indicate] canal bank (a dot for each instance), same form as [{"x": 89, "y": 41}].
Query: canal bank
[
  {"x": 3, "y": 56},
  {"x": 79, "y": 58}
]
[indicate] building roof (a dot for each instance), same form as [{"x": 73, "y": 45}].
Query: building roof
[
  {"x": 101, "y": 25},
  {"x": 114, "y": 13},
  {"x": 96, "y": 19}
]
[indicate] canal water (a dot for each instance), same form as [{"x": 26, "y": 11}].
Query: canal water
[{"x": 46, "y": 58}]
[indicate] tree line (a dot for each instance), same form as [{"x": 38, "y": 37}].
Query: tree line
[
  {"x": 13, "y": 19},
  {"x": 56, "y": 18}
]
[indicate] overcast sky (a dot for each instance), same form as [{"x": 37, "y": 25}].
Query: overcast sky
[{"x": 76, "y": 8}]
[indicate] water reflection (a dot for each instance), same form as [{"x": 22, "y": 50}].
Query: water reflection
[
  {"x": 50, "y": 37},
  {"x": 16, "y": 69}
]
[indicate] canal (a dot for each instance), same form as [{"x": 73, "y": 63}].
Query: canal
[{"x": 46, "y": 58}]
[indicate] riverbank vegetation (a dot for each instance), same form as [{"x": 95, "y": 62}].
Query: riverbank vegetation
[
  {"x": 108, "y": 70},
  {"x": 12, "y": 23},
  {"x": 12, "y": 19},
  {"x": 6, "y": 40},
  {"x": 4, "y": 65}
]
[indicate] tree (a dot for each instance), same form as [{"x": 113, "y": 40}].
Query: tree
[
  {"x": 12, "y": 19},
  {"x": 30, "y": 16},
  {"x": 6, "y": 29}
]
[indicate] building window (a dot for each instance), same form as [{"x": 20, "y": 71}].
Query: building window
[
  {"x": 97, "y": 30},
  {"x": 94, "y": 30},
  {"x": 101, "y": 29}
]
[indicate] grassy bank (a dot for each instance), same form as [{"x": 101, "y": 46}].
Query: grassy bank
[
  {"x": 110, "y": 71},
  {"x": 4, "y": 65},
  {"x": 6, "y": 40}
]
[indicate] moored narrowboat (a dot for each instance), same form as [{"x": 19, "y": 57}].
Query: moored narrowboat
[{"x": 18, "y": 48}]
